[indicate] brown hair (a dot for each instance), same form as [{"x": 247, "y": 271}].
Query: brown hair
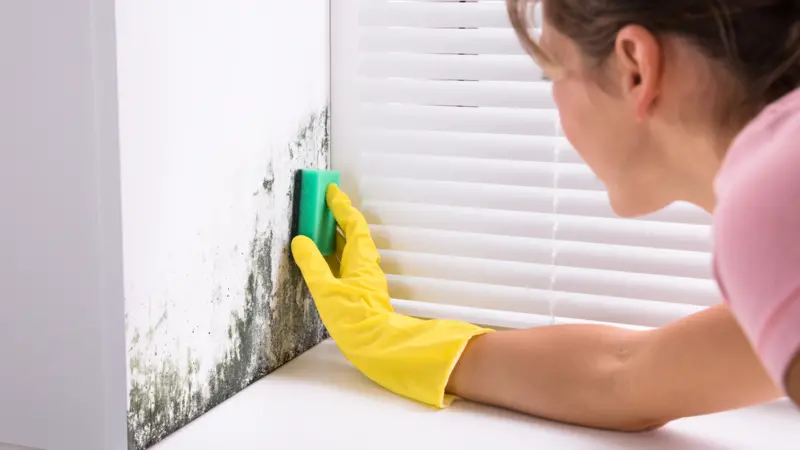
[{"x": 758, "y": 41}]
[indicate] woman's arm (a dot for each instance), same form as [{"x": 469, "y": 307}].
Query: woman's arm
[{"x": 614, "y": 378}]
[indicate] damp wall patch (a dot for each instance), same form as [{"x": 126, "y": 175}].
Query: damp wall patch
[{"x": 220, "y": 104}]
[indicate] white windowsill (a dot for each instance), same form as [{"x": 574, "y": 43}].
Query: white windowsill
[{"x": 319, "y": 401}]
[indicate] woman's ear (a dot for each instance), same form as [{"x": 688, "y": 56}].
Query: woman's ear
[{"x": 639, "y": 56}]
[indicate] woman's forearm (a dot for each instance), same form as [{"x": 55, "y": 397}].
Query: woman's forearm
[
  {"x": 570, "y": 373},
  {"x": 614, "y": 378}
]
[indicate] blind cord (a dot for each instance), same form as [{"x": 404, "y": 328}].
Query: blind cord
[{"x": 554, "y": 234}]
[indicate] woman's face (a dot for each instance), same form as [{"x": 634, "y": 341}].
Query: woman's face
[{"x": 607, "y": 114}]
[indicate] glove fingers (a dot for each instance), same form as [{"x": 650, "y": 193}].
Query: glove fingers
[
  {"x": 360, "y": 257},
  {"x": 312, "y": 264}
]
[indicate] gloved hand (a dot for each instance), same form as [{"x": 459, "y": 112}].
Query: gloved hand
[{"x": 408, "y": 356}]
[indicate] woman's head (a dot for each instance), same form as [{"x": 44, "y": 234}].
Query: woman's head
[{"x": 651, "y": 92}]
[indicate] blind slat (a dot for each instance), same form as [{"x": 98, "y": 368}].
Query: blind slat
[
  {"x": 488, "y": 317},
  {"x": 481, "y": 316},
  {"x": 511, "y": 198},
  {"x": 486, "y": 41},
  {"x": 382, "y": 13},
  {"x": 516, "y": 173},
  {"x": 478, "y": 120},
  {"x": 449, "y": 67},
  {"x": 667, "y": 262},
  {"x": 444, "y": 1},
  {"x": 455, "y": 93},
  {"x": 537, "y": 302},
  {"x": 468, "y": 145},
  {"x": 535, "y": 225},
  {"x": 546, "y": 277}
]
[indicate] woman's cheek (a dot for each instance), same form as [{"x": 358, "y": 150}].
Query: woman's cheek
[
  {"x": 581, "y": 127},
  {"x": 566, "y": 114}
]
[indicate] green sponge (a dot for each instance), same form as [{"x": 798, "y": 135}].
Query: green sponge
[{"x": 311, "y": 214}]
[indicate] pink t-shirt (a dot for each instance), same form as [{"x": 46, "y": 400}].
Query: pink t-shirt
[{"x": 757, "y": 233}]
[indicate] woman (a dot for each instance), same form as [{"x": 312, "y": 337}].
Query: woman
[{"x": 693, "y": 100}]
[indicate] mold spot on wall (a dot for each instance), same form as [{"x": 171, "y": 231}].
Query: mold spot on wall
[
  {"x": 268, "y": 180},
  {"x": 167, "y": 400},
  {"x": 240, "y": 365}
]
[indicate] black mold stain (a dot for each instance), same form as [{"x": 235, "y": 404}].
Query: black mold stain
[
  {"x": 277, "y": 323},
  {"x": 167, "y": 397},
  {"x": 269, "y": 180},
  {"x": 239, "y": 366},
  {"x": 295, "y": 325}
]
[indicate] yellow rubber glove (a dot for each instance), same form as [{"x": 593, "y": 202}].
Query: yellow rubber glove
[{"x": 408, "y": 356}]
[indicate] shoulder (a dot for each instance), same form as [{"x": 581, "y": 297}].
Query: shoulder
[
  {"x": 757, "y": 218},
  {"x": 758, "y": 185},
  {"x": 757, "y": 234}
]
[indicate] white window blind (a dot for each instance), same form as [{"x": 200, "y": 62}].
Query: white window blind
[{"x": 450, "y": 144}]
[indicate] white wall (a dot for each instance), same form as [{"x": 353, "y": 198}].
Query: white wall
[
  {"x": 62, "y": 383},
  {"x": 213, "y": 95}
]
